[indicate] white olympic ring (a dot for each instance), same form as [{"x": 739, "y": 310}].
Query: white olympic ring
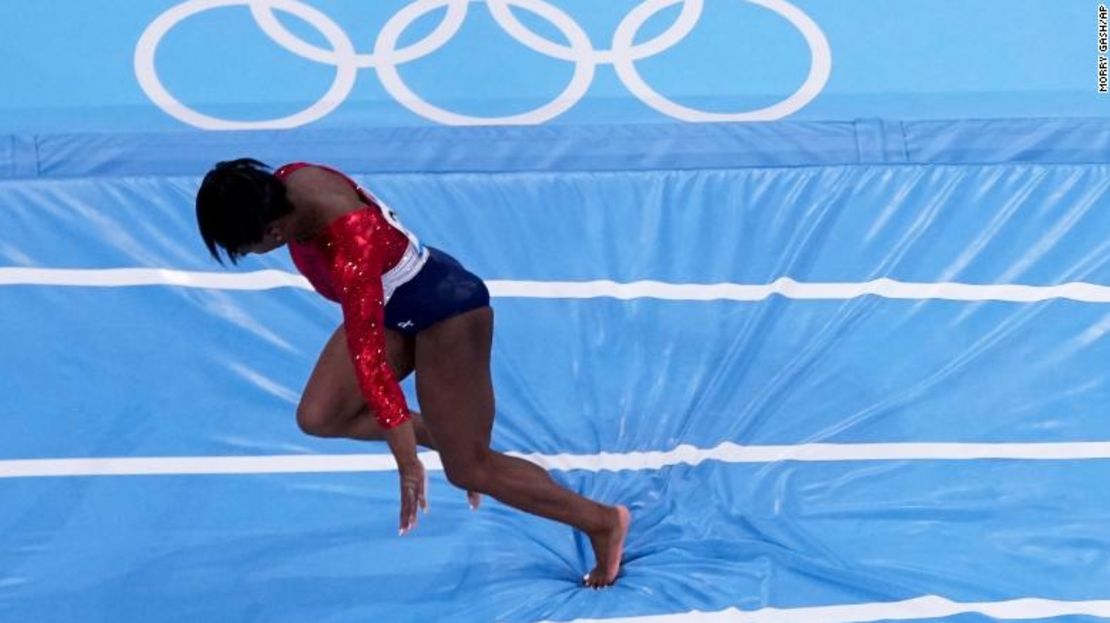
[{"x": 386, "y": 57}]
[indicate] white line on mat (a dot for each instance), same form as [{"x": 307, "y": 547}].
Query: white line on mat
[
  {"x": 785, "y": 287},
  {"x": 929, "y": 607},
  {"x": 612, "y": 461}
]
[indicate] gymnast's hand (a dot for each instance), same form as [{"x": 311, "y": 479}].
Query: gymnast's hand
[
  {"x": 413, "y": 486},
  {"x": 402, "y": 442}
]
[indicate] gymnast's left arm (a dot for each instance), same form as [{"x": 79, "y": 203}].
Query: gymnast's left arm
[
  {"x": 357, "y": 263},
  {"x": 358, "y": 268}
]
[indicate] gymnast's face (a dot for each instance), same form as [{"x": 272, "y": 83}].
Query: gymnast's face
[{"x": 272, "y": 238}]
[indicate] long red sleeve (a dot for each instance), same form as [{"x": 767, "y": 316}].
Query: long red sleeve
[{"x": 353, "y": 245}]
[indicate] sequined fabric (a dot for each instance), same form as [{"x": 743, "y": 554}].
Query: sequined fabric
[
  {"x": 315, "y": 267},
  {"x": 351, "y": 245},
  {"x": 345, "y": 263},
  {"x": 308, "y": 258}
]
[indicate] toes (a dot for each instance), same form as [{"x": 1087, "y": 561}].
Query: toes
[{"x": 596, "y": 579}]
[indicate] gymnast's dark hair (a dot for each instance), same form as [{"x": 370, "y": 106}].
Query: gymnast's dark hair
[{"x": 235, "y": 203}]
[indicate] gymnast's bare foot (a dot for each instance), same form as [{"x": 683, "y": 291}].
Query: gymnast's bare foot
[{"x": 608, "y": 547}]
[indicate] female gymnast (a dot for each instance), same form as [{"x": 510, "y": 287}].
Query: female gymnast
[{"x": 405, "y": 307}]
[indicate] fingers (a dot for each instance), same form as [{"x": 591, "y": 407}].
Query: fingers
[
  {"x": 424, "y": 494},
  {"x": 408, "y": 509},
  {"x": 473, "y": 499},
  {"x": 413, "y": 496}
]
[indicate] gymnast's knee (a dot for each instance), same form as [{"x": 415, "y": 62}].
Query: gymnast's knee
[
  {"x": 319, "y": 422},
  {"x": 472, "y": 473}
]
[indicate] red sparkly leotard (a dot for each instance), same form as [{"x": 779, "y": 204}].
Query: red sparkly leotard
[{"x": 358, "y": 260}]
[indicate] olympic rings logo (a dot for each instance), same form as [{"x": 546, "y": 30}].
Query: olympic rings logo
[{"x": 387, "y": 57}]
